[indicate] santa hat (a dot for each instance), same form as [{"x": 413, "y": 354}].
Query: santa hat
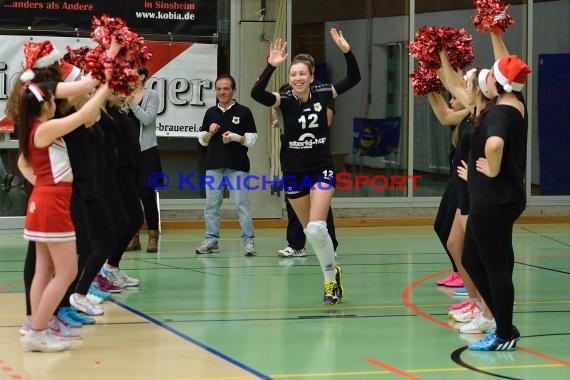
[
  {"x": 38, "y": 55},
  {"x": 482, "y": 80},
  {"x": 511, "y": 72},
  {"x": 69, "y": 72}
]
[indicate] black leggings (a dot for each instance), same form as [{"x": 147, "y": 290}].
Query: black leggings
[
  {"x": 130, "y": 211},
  {"x": 101, "y": 226},
  {"x": 489, "y": 259},
  {"x": 82, "y": 236},
  {"x": 148, "y": 199},
  {"x": 29, "y": 270},
  {"x": 445, "y": 216}
]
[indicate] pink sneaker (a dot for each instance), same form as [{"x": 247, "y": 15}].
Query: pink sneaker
[
  {"x": 456, "y": 282},
  {"x": 444, "y": 281},
  {"x": 468, "y": 314},
  {"x": 460, "y": 305},
  {"x": 105, "y": 285}
]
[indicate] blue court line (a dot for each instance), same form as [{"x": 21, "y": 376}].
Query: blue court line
[{"x": 192, "y": 340}]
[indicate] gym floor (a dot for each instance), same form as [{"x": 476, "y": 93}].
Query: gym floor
[{"x": 226, "y": 316}]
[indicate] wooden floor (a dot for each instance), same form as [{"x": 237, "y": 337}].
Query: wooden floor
[{"x": 226, "y": 316}]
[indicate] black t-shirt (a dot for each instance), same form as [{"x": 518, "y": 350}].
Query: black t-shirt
[
  {"x": 83, "y": 160},
  {"x": 507, "y": 188},
  {"x": 237, "y": 119},
  {"x": 82, "y": 156},
  {"x": 461, "y": 154},
  {"x": 107, "y": 151},
  {"x": 305, "y": 144},
  {"x": 127, "y": 143}
]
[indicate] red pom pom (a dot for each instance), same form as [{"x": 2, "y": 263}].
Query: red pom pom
[
  {"x": 425, "y": 80},
  {"x": 132, "y": 54},
  {"x": 492, "y": 16},
  {"x": 76, "y": 57},
  {"x": 430, "y": 40}
]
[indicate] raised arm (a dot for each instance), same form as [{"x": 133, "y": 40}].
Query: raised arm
[
  {"x": 445, "y": 115},
  {"x": 76, "y": 89},
  {"x": 352, "y": 71},
  {"x": 453, "y": 80},
  {"x": 277, "y": 55},
  {"x": 499, "y": 48}
]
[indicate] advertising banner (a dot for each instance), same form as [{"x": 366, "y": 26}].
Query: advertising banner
[
  {"x": 375, "y": 137},
  {"x": 182, "y": 73},
  {"x": 194, "y": 18}
]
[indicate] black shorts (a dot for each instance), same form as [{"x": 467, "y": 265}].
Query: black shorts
[{"x": 297, "y": 185}]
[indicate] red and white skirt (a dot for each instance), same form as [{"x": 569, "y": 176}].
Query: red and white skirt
[{"x": 48, "y": 216}]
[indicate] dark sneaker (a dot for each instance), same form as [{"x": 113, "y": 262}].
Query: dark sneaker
[
  {"x": 338, "y": 286},
  {"x": 207, "y": 246}
]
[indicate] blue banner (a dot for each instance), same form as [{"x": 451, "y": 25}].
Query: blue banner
[{"x": 376, "y": 137}]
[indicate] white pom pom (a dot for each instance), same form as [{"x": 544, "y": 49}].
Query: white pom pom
[
  {"x": 508, "y": 88},
  {"x": 27, "y": 76}
]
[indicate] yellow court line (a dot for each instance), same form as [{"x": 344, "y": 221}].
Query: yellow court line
[
  {"x": 318, "y": 309},
  {"x": 323, "y": 308},
  {"x": 421, "y": 370}
]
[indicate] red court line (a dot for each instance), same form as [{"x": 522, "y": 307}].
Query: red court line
[
  {"x": 406, "y": 297},
  {"x": 544, "y": 356},
  {"x": 9, "y": 285},
  {"x": 392, "y": 369},
  {"x": 8, "y": 371}
]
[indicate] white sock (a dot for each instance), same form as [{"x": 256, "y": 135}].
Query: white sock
[{"x": 319, "y": 238}]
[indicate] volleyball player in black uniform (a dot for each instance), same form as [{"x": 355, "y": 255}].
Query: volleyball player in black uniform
[{"x": 308, "y": 169}]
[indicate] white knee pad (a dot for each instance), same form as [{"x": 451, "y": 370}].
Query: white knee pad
[{"x": 317, "y": 233}]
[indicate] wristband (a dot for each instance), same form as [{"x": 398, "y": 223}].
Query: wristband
[{"x": 235, "y": 137}]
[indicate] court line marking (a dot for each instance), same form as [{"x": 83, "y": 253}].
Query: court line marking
[
  {"x": 192, "y": 340},
  {"x": 392, "y": 369},
  {"x": 406, "y": 297},
  {"x": 417, "y": 370},
  {"x": 9, "y": 371}
]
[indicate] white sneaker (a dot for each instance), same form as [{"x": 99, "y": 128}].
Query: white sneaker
[
  {"x": 468, "y": 315},
  {"x": 26, "y": 326},
  {"x": 118, "y": 277},
  {"x": 478, "y": 325},
  {"x": 94, "y": 299},
  {"x": 128, "y": 280},
  {"x": 60, "y": 330},
  {"x": 41, "y": 341},
  {"x": 83, "y": 304},
  {"x": 290, "y": 252},
  {"x": 249, "y": 249}
]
